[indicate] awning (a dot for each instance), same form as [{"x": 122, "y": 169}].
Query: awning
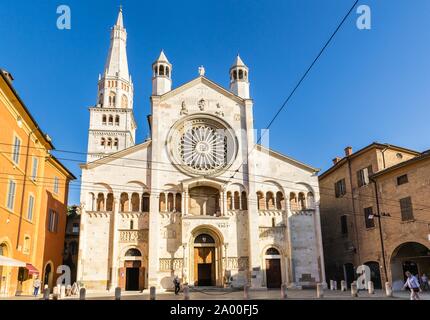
[
  {"x": 31, "y": 269},
  {"x": 9, "y": 262}
]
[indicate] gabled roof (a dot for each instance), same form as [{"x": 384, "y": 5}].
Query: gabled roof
[
  {"x": 117, "y": 155},
  {"x": 425, "y": 155},
  {"x": 285, "y": 158},
  {"x": 206, "y": 81},
  {"x": 374, "y": 145}
]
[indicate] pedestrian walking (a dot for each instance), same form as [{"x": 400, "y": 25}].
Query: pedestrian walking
[
  {"x": 413, "y": 285},
  {"x": 177, "y": 285},
  {"x": 36, "y": 286},
  {"x": 425, "y": 282}
]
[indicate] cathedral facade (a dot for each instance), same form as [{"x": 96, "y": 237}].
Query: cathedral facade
[{"x": 198, "y": 199}]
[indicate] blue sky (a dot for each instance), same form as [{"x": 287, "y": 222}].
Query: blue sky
[{"x": 369, "y": 85}]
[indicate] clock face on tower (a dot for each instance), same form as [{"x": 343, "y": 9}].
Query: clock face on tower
[{"x": 202, "y": 145}]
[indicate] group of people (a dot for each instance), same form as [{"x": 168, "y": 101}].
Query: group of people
[{"x": 416, "y": 284}]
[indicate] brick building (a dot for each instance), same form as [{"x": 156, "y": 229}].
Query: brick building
[{"x": 389, "y": 233}]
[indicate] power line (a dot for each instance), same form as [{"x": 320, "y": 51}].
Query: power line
[{"x": 303, "y": 76}]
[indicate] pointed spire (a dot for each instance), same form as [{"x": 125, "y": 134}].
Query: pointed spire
[
  {"x": 116, "y": 63},
  {"x": 162, "y": 57},
  {"x": 120, "y": 19},
  {"x": 238, "y": 62}
]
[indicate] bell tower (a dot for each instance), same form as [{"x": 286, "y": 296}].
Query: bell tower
[
  {"x": 112, "y": 125},
  {"x": 239, "y": 83},
  {"x": 161, "y": 76}
]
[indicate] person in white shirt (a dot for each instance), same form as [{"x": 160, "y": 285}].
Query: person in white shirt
[{"x": 413, "y": 284}]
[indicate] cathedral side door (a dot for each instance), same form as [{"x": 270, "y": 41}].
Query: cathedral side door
[
  {"x": 273, "y": 273},
  {"x": 204, "y": 266}
]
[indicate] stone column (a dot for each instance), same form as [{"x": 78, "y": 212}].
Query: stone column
[
  {"x": 140, "y": 201},
  {"x": 185, "y": 277},
  {"x": 153, "y": 243},
  {"x": 105, "y": 194},
  {"x": 224, "y": 203},
  {"x": 289, "y": 214},
  {"x": 82, "y": 244},
  {"x": 115, "y": 240},
  {"x": 130, "y": 207},
  {"x": 225, "y": 259},
  {"x": 320, "y": 244},
  {"x": 183, "y": 203},
  {"x": 186, "y": 202},
  {"x": 255, "y": 267}
]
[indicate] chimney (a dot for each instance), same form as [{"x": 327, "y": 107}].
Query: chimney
[
  {"x": 348, "y": 151},
  {"x": 336, "y": 160},
  {"x": 7, "y": 75}
]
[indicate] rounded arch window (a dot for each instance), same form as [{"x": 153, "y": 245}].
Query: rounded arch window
[
  {"x": 133, "y": 253},
  {"x": 272, "y": 252},
  {"x": 202, "y": 145},
  {"x": 204, "y": 238}
]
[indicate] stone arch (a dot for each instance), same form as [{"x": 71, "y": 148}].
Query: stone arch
[
  {"x": 413, "y": 256},
  {"x": 48, "y": 274},
  {"x": 216, "y": 253},
  {"x": 261, "y": 202},
  {"x": 270, "y": 200}
]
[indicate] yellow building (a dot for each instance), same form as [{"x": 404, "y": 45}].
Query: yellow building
[{"x": 33, "y": 198}]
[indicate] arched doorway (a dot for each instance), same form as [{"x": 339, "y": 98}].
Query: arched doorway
[
  {"x": 206, "y": 257},
  {"x": 273, "y": 268},
  {"x": 3, "y": 271},
  {"x": 409, "y": 256},
  {"x": 204, "y": 260},
  {"x": 132, "y": 275},
  {"x": 48, "y": 275},
  {"x": 375, "y": 273},
  {"x": 349, "y": 273}
]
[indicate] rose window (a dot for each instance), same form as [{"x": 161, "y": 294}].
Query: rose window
[{"x": 202, "y": 146}]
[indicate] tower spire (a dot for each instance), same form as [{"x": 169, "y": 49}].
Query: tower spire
[
  {"x": 120, "y": 19},
  {"x": 116, "y": 63}
]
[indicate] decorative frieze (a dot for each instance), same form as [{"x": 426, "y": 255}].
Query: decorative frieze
[
  {"x": 237, "y": 263},
  {"x": 133, "y": 236},
  {"x": 272, "y": 232},
  {"x": 170, "y": 264}
]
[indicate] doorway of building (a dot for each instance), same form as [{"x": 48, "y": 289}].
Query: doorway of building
[
  {"x": 273, "y": 269},
  {"x": 348, "y": 273},
  {"x": 409, "y": 256},
  {"x": 132, "y": 279},
  {"x": 132, "y": 275},
  {"x": 375, "y": 273},
  {"x": 204, "y": 261}
]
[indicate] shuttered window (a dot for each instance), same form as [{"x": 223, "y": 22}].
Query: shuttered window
[
  {"x": 406, "y": 209},
  {"x": 11, "y": 195}
]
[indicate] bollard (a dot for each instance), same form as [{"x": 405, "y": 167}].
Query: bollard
[
  {"x": 46, "y": 293},
  {"x": 246, "y": 292},
  {"x": 320, "y": 291},
  {"x": 152, "y": 293},
  {"x": 332, "y": 285},
  {"x": 284, "y": 291},
  {"x": 371, "y": 287},
  {"x": 186, "y": 292},
  {"x": 343, "y": 285},
  {"x": 82, "y": 294},
  {"x": 62, "y": 291},
  {"x": 117, "y": 293},
  {"x": 388, "y": 289},
  {"x": 354, "y": 292},
  {"x": 68, "y": 290},
  {"x": 55, "y": 293},
  {"x": 335, "y": 285}
]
